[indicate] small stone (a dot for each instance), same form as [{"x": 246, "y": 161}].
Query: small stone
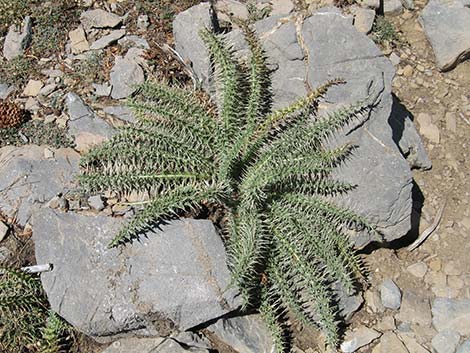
[
  {"x": 395, "y": 59},
  {"x": 102, "y": 90},
  {"x": 48, "y": 89},
  {"x": 392, "y": 7},
  {"x": 32, "y": 88},
  {"x": 452, "y": 269},
  {"x": 389, "y": 343},
  {"x": 364, "y": 19},
  {"x": 390, "y": 294},
  {"x": 408, "y": 71},
  {"x": 48, "y": 154},
  {"x": 427, "y": 128},
  {"x": 445, "y": 341},
  {"x": 78, "y": 41},
  {"x": 451, "y": 122},
  {"x": 373, "y": 301},
  {"x": 124, "y": 77},
  {"x": 142, "y": 23},
  {"x": 358, "y": 338},
  {"x": 464, "y": 347},
  {"x": 3, "y": 230},
  {"x": 109, "y": 39},
  {"x": 415, "y": 310},
  {"x": 435, "y": 264},
  {"x": 17, "y": 41},
  {"x": 5, "y": 90},
  {"x": 453, "y": 314},
  {"x": 96, "y": 202},
  {"x": 418, "y": 269},
  {"x": 99, "y": 18},
  {"x": 74, "y": 204}
]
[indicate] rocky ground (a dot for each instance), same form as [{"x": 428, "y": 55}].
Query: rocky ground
[{"x": 74, "y": 91}]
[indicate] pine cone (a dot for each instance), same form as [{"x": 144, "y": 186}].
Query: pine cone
[{"x": 11, "y": 115}]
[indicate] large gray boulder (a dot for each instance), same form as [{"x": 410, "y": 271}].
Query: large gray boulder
[
  {"x": 447, "y": 27},
  {"x": 169, "y": 281},
  {"x": 331, "y": 47},
  {"x": 29, "y": 178}
]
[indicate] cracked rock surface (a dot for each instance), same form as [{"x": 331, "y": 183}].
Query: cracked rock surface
[
  {"x": 169, "y": 281},
  {"x": 305, "y": 53}
]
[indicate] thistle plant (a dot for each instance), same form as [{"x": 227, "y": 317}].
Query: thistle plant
[
  {"x": 26, "y": 324},
  {"x": 268, "y": 170}
]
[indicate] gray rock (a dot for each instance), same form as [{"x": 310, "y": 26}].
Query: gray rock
[
  {"x": 142, "y": 23},
  {"x": 192, "y": 339},
  {"x": 17, "y": 40},
  {"x": 109, "y": 39},
  {"x": 390, "y": 294},
  {"x": 124, "y": 77},
  {"x": 393, "y": 7},
  {"x": 5, "y": 90},
  {"x": 358, "y": 338},
  {"x": 171, "y": 280},
  {"x": 134, "y": 41},
  {"x": 453, "y": 314},
  {"x": 84, "y": 125},
  {"x": 446, "y": 24},
  {"x": 347, "y": 54},
  {"x": 364, "y": 20},
  {"x": 407, "y": 138},
  {"x": 121, "y": 112},
  {"x": 96, "y": 202},
  {"x": 102, "y": 90},
  {"x": 246, "y": 334},
  {"x": 28, "y": 179},
  {"x": 188, "y": 43},
  {"x": 464, "y": 347},
  {"x": 99, "y": 18},
  {"x": 3, "y": 230},
  {"x": 415, "y": 309},
  {"x": 347, "y": 304},
  {"x": 445, "y": 341}
]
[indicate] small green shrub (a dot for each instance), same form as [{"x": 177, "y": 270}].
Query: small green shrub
[
  {"x": 16, "y": 71},
  {"x": 12, "y": 12},
  {"x": 268, "y": 170},
  {"x": 384, "y": 32},
  {"x": 26, "y": 324}
]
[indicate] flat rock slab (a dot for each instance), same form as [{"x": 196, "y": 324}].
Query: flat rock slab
[
  {"x": 247, "y": 334},
  {"x": 99, "y": 18},
  {"x": 125, "y": 76},
  {"x": 29, "y": 179},
  {"x": 447, "y": 27},
  {"x": 169, "y": 281},
  {"x": 332, "y": 48}
]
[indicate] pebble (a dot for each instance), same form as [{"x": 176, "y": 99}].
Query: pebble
[
  {"x": 48, "y": 154},
  {"x": 395, "y": 59},
  {"x": 32, "y": 88},
  {"x": 435, "y": 264},
  {"x": 445, "y": 341},
  {"x": 3, "y": 230},
  {"x": 143, "y": 23},
  {"x": 364, "y": 19},
  {"x": 358, "y": 338},
  {"x": 109, "y": 39},
  {"x": 373, "y": 301},
  {"x": 418, "y": 269},
  {"x": 414, "y": 309},
  {"x": 78, "y": 41},
  {"x": 390, "y": 294},
  {"x": 96, "y": 202},
  {"x": 408, "y": 70},
  {"x": 427, "y": 128},
  {"x": 102, "y": 90}
]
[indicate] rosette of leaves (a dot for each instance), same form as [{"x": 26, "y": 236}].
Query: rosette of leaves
[{"x": 268, "y": 170}]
